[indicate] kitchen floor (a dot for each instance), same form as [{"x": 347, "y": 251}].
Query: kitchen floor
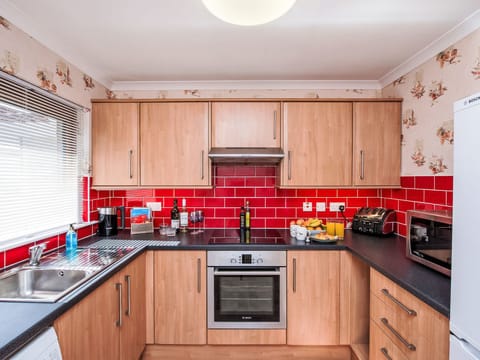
[{"x": 245, "y": 352}]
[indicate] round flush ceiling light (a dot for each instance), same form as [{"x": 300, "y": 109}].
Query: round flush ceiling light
[{"x": 248, "y": 12}]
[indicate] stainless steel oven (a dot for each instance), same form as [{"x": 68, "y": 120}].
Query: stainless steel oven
[{"x": 246, "y": 289}]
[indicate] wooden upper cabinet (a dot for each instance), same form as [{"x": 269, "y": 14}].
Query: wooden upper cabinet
[
  {"x": 174, "y": 144},
  {"x": 317, "y": 144},
  {"x": 115, "y": 144},
  {"x": 246, "y": 124},
  {"x": 376, "y": 145}
]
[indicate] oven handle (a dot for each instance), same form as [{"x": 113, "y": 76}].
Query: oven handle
[{"x": 254, "y": 273}]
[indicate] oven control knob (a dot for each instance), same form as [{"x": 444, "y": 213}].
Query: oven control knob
[
  {"x": 233, "y": 261},
  {"x": 259, "y": 261}
]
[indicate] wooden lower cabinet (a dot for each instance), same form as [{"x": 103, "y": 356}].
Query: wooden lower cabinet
[
  {"x": 180, "y": 300},
  {"x": 91, "y": 329},
  {"x": 313, "y": 310},
  {"x": 381, "y": 347},
  {"x": 247, "y": 337}
]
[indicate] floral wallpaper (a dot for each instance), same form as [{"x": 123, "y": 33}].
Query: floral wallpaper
[
  {"x": 26, "y": 58},
  {"x": 429, "y": 92}
]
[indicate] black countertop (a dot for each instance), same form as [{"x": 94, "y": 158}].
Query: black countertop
[{"x": 23, "y": 321}]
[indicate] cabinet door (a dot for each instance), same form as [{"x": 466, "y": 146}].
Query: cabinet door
[
  {"x": 318, "y": 143},
  {"x": 313, "y": 298},
  {"x": 174, "y": 144},
  {"x": 180, "y": 297},
  {"x": 89, "y": 330},
  {"x": 133, "y": 331},
  {"x": 246, "y": 124},
  {"x": 115, "y": 144},
  {"x": 376, "y": 150}
]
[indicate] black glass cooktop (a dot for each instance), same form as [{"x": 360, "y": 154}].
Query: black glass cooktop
[{"x": 253, "y": 236}]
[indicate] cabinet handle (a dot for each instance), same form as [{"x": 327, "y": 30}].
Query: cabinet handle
[
  {"x": 130, "y": 155},
  {"x": 120, "y": 305},
  {"x": 294, "y": 275},
  {"x": 203, "y": 172},
  {"x": 362, "y": 165},
  {"x": 289, "y": 165},
  {"x": 408, "y": 345},
  {"x": 275, "y": 125},
  {"x": 128, "y": 279},
  {"x": 385, "y": 353},
  {"x": 199, "y": 275},
  {"x": 399, "y": 303}
]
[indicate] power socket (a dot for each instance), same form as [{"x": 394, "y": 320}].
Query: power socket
[
  {"x": 155, "y": 206},
  {"x": 320, "y": 206},
  {"x": 335, "y": 206},
  {"x": 307, "y": 206}
]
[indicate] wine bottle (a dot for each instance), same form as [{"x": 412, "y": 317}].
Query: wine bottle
[
  {"x": 184, "y": 216},
  {"x": 242, "y": 218},
  {"x": 175, "y": 216},
  {"x": 247, "y": 215}
]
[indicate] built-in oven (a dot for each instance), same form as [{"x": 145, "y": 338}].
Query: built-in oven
[{"x": 246, "y": 289}]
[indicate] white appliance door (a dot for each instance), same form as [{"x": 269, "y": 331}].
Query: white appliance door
[
  {"x": 461, "y": 350},
  {"x": 43, "y": 347},
  {"x": 465, "y": 293}
]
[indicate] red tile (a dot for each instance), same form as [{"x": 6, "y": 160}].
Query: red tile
[
  {"x": 270, "y": 181},
  {"x": 116, "y": 201},
  {"x": 357, "y": 202},
  {"x": 163, "y": 192},
  {"x": 204, "y": 192},
  {"x": 391, "y": 204},
  {"x": 286, "y": 212},
  {"x": 265, "y": 212},
  {"x": 259, "y": 223},
  {"x": 401, "y": 230},
  {"x": 2, "y": 260},
  {"x": 277, "y": 223},
  {"x": 398, "y": 193},
  {"x": 443, "y": 207},
  {"x": 61, "y": 240},
  {"x": 265, "y": 192},
  {"x": 368, "y": 192},
  {"x": 306, "y": 193},
  {"x": 436, "y": 197},
  {"x": 327, "y": 192},
  {"x": 116, "y": 193},
  {"x": 134, "y": 203},
  {"x": 219, "y": 181},
  {"x": 234, "y": 202},
  {"x": 139, "y": 192},
  {"x": 415, "y": 195},
  {"x": 275, "y": 202},
  {"x": 235, "y": 181},
  {"x": 386, "y": 193},
  {"x": 181, "y": 193},
  {"x": 224, "y": 192},
  {"x": 16, "y": 255},
  {"x": 401, "y": 217},
  {"x": 265, "y": 171},
  {"x": 232, "y": 223},
  {"x": 84, "y": 232},
  {"x": 348, "y": 192},
  {"x": 424, "y": 206},
  {"x": 214, "y": 223},
  {"x": 287, "y": 192},
  {"x": 405, "y": 205},
  {"x": 424, "y": 182},
  {"x": 255, "y": 181},
  {"x": 225, "y": 171},
  {"x": 225, "y": 212},
  {"x": 450, "y": 198},
  {"x": 294, "y": 202},
  {"x": 257, "y": 202},
  {"x": 214, "y": 202},
  {"x": 245, "y": 192},
  {"x": 374, "y": 202},
  {"x": 208, "y": 212},
  {"x": 444, "y": 182},
  {"x": 407, "y": 182},
  {"x": 245, "y": 170}
]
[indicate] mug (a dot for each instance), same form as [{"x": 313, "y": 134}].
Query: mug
[
  {"x": 293, "y": 230},
  {"x": 301, "y": 233}
]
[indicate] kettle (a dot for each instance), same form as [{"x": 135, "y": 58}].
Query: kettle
[{"x": 107, "y": 220}]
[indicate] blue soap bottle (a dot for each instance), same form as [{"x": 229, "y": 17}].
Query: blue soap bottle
[{"x": 71, "y": 240}]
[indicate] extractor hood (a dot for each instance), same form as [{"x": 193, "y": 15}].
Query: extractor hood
[{"x": 246, "y": 155}]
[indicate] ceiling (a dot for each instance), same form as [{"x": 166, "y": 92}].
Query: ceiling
[{"x": 180, "y": 41}]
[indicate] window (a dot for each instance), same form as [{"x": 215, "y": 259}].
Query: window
[{"x": 40, "y": 150}]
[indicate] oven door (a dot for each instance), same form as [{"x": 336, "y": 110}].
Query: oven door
[{"x": 249, "y": 297}]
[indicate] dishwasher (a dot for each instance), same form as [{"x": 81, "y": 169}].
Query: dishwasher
[{"x": 43, "y": 347}]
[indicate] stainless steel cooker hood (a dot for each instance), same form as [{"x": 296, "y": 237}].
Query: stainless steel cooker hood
[{"x": 246, "y": 155}]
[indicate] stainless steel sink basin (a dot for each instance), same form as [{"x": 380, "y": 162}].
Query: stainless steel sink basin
[{"x": 40, "y": 284}]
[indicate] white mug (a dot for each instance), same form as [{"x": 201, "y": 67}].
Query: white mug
[
  {"x": 293, "y": 230},
  {"x": 301, "y": 233}
]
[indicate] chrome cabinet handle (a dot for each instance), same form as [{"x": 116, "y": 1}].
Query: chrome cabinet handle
[
  {"x": 243, "y": 273},
  {"x": 399, "y": 303},
  {"x": 203, "y": 170},
  {"x": 128, "y": 279},
  {"x": 289, "y": 165},
  {"x": 385, "y": 353},
  {"x": 362, "y": 165},
  {"x": 408, "y": 345},
  {"x": 130, "y": 155},
  {"x": 120, "y": 305},
  {"x": 275, "y": 125},
  {"x": 199, "y": 276},
  {"x": 294, "y": 275}
]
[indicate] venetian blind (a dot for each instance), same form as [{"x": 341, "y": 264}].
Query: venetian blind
[{"x": 40, "y": 148}]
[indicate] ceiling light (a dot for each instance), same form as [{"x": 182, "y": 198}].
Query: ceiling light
[{"x": 248, "y": 12}]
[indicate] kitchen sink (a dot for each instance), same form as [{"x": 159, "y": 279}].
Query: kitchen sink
[{"x": 40, "y": 284}]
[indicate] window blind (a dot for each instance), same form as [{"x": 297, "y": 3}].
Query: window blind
[{"x": 40, "y": 149}]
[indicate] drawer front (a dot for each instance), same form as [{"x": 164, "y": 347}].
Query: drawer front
[
  {"x": 381, "y": 347},
  {"x": 399, "y": 327}
]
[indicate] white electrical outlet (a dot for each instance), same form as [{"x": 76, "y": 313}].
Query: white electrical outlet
[
  {"x": 155, "y": 206},
  {"x": 320, "y": 206},
  {"x": 334, "y": 206},
  {"x": 307, "y": 206}
]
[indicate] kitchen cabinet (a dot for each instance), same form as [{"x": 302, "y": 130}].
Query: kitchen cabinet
[
  {"x": 313, "y": 279},
  {"x": 403, "y": 324},
  {"x": 115, "y": 144},
  {"x": 110, "y": 322},
  {"x": 180, "y": 298},
  {"x": 246, "y": 124},
  {"x": 376, "y": 143},
  {"x": 318, "y": 144},
  {"x": 174, "y": 144}
]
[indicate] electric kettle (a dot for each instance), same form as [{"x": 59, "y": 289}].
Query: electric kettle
[{"x": 107, "y": 220}]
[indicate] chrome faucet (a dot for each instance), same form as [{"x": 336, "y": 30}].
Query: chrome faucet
[{"x": 35, "y": 253}]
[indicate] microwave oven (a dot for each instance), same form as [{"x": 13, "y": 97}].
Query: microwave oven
[{"x": 429, "y": 239}]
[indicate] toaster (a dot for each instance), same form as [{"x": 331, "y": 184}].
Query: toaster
[{"x": 374, "y": 221}]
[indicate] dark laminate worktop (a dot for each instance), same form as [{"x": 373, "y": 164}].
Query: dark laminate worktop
[{"x": 23, "y": 321}]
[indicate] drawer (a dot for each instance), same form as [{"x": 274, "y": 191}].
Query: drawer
[
  {"x": 381, "y": 347},
  {"x": 401, "y": 328}
]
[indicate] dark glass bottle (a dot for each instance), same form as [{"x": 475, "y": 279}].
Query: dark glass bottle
[
  {"x": 175, "y": 215},
  {"x": 242, "y": 218}
]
